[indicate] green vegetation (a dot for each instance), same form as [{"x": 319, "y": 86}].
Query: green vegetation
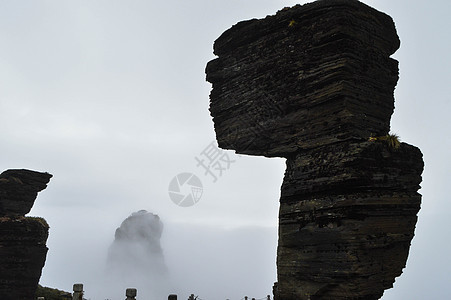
[
  {"x": 52, "y": 294},
  {"x": 40, "y": 220},
  {"x": 391, "y": 139}
]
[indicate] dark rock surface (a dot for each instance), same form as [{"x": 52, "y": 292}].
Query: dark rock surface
[
  {"x": 313, "y": 83},
  {"x": 347, "y": 216},
  {"x": 310, "y": 75},
  {"x": 22, "y": 239},
  {"x": 22, "y": 256},
  {"x": 19, "y": 189}
]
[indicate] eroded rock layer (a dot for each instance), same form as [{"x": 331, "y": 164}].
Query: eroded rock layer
[
  {"x": 310, "y": 75},
  {"x": 22, "y": 256},
  {"x": 347, "y": 217},
  {"x": 22, "y": 239},
  {"x": 314, "y": 83},
  {"x": 19, "y": 189}
]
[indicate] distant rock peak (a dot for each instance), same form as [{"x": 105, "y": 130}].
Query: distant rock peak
[{"x": 136, "y": 247}]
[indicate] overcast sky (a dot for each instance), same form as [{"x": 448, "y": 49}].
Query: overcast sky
[{"x": 110, "y": 97}]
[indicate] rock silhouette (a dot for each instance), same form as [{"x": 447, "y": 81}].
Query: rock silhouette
[
  {"x": 314, "y": 84},
  {"x": 22, "y": 239},
  {"x": 19, "y": 189},
  {"x": 135, "y": 257}
]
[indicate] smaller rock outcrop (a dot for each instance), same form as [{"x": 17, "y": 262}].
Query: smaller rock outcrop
[
  {"x": 22, "y": 239},
  {"x": 19, "y": 189}
]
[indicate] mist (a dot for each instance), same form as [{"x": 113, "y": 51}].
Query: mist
[
  {"x": 208, "y": 261},
  {"x": 219, "y": 263},
  {"x": 135, "y": 258}
]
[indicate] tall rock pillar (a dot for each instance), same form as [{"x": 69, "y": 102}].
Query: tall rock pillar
[
  {"x": 314, "y": 84},
  {"x": 22, "y": 239}
]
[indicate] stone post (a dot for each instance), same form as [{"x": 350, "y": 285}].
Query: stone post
[
  {"x": 130, "y": 293},
  {"x": 172, "y": 297},
  {"x": 78, "y": 291}
]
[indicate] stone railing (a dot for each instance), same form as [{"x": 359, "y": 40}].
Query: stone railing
[{"x": 131, "y": 294}]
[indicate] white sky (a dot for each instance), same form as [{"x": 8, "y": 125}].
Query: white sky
[{"x": 110, "y": 97}]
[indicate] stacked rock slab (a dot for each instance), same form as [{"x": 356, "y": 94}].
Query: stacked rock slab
[
  {"x": 313, "y": 83},
  {"x": 347, "y": 217},
  {"x": 22, "y": 239}
]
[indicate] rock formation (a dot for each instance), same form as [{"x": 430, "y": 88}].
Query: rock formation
[
  {"x": 22, "y": 239},
  {"x": 314, "y": 84},
  {"x": 136, "y": 258}
]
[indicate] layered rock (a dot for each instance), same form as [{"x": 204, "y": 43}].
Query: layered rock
[
  {"x": 314, "y": 83},
  {"x": 347, "y": 217},
  {"x": 19, "y": 189},
  {"x": 22, "y": 239},
  {"x": 310, "y": 75}
]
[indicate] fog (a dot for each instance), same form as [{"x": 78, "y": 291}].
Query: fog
[
  {"x": 191, "y": 259},
  {"x": 211, "y": 263},
  {"x": 135, "y": 258}
]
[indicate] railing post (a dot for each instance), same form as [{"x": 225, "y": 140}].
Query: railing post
[
  {"x": 268, "y": 297},
  {"x": 191, "y": 297},
  {"x": 131, "y": 294},
  {"x": 78, "y": 291},
  {"x": 245, "y": 297},
  {"x": 172, "y": 297}
]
